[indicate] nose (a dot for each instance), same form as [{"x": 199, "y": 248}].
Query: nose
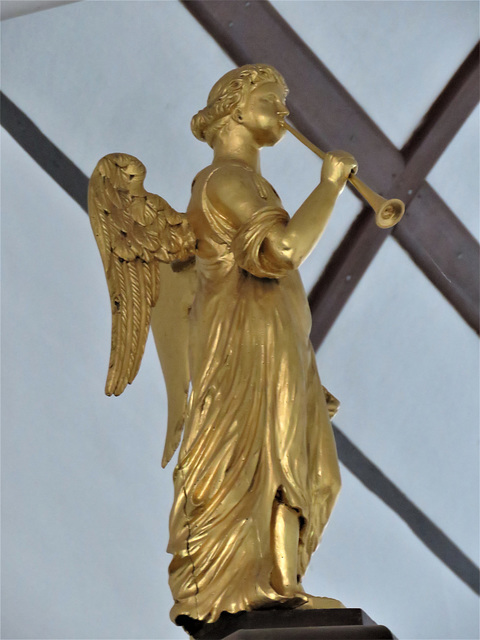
[{"x": 283, "y": 111}]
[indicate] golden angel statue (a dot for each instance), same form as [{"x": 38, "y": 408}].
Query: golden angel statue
[{"x": 257, "y": 473}]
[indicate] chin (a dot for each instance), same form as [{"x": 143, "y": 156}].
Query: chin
[{"x": 272, "y": 136}]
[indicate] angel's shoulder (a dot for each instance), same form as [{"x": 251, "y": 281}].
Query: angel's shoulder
[
  {"x": 228, "y": 174},
  {"x": 233, "y": 188}
]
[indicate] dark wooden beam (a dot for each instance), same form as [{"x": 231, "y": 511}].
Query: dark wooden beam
[
  {"x": 342, "y": 273},
  {"x": 439, "y": 126},
  {"x": 435, "y": 239},
  {"x": 326, "y": 113},
  {"x": 43, "y": 151},
  {"x": 433, "y": 236},
  {"x": 427, "y": 531},
  {"x": 444, "y": 250},
  {"x": 441, "y": 122}
]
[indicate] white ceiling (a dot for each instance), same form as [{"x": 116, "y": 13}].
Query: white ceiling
[{"x": 85, "y": 500}]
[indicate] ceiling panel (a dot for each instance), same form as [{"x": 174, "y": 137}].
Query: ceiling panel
[
  {"x": 455, "y": 175},
  {"x": 387, "y": 569},
  {"x": 85, "y": 501},
  {"x": 407, "y": 370},
  {"x": 394, "y": 57}
]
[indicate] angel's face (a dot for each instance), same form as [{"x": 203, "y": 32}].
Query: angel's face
[{"x": 263, "y": 113}]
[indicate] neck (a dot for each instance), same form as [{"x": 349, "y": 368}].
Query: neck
[{"x": 236, "y": 144}]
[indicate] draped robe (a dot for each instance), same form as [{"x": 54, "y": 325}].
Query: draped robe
[{"x": 257, "y": 427}]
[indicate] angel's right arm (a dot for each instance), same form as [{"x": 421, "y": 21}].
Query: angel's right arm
[
  {"x": 298, "y": 237},
  {"x": 289, "y": 242},
  {"x": 294, "y": 241}
]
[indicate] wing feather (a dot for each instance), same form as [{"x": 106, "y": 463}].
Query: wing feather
[
  {"x": 129, "y": 337},
  {"x": 135, "y": 230},
  {"x": 119, "y": 299},
  {"x": 142, "y": 323}
]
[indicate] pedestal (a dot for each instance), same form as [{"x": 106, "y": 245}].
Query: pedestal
[{"x": 294, "y": 624}]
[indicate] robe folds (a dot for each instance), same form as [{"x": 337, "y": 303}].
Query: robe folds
[{"x": 257, "y": 425}]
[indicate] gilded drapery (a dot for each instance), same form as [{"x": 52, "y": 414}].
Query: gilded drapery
[{"x": 257, "y": 422}]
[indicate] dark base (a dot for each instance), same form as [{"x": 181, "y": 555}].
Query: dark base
[{"x": 289, "y": 624}]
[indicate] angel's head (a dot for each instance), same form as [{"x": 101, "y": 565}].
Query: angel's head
[{"x": 252, "y": 95}]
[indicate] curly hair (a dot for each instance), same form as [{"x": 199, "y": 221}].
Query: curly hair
[{"x": 227, "y": 94}]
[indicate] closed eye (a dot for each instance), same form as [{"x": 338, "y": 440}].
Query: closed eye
[{"x": 274, "y": 99}]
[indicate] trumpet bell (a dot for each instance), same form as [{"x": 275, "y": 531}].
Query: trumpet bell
[{"x": 390, "y": 213}]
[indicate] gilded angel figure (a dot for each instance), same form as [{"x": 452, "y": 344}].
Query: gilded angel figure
[{"x": 257, "y": 473}]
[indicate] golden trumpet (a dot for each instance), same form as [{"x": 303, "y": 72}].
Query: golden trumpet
[{"x": 387, "y": 212}]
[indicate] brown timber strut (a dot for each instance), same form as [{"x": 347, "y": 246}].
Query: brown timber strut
[{"x": 328, "y": 115}]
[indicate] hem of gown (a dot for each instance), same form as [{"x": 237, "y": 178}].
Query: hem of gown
[{"x": 181, "y": 613}]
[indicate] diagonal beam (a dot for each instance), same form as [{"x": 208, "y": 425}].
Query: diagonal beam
[
  {"x": 444, "y": 250},
  {"x": 58, "y": 166},
  {"x": 441, "y": 122},
  {"x": 436, "y": 240},
  {"x": 427, "y": 531},
  {"x": 324, "y": 111},
  {"x": 342, "y": 273}
]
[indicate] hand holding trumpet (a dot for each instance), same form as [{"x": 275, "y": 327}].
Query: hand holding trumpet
[
  {"x": 387, "y": 212},
  {"x": 338, "y": 167}
]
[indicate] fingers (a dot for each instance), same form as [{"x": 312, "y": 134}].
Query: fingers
[
  {"x": 345, "y": 158},
  {"x": 338, "y": 166}
]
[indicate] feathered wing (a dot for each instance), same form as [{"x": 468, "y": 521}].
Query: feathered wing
[{"x": 136, "y": 231}]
